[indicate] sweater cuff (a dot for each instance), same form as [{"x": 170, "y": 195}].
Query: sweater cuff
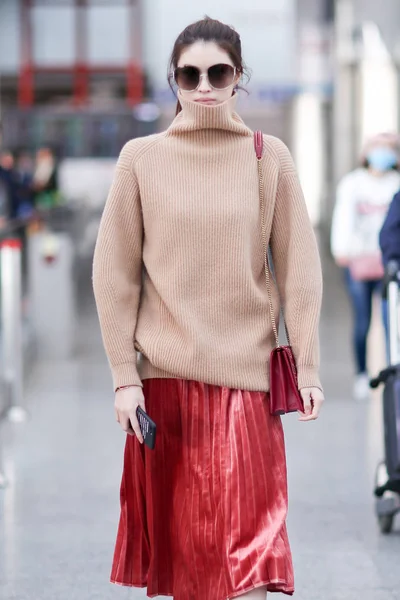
[
  {"x": 308, "y": 377},
  {"x": 125, "y": 374}
]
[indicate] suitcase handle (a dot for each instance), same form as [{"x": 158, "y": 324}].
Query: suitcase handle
[
  {"x": 383, "y": 376},
  {"x": 392, "y": 275}
]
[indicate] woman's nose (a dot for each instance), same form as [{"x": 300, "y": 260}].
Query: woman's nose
[{"x": 204, "y": 83}]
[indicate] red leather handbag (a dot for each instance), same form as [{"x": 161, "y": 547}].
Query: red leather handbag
[{"x": 284, "y": 393}]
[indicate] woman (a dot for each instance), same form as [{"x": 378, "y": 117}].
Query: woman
[
  {"x": 179, "y": 272},
  {"x": 363, "y": 199}
]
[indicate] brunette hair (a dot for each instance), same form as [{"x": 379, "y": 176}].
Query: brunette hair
[{"x": 208, "y": 30}]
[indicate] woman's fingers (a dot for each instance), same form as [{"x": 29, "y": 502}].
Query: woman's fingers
[
  {"x": 135, "y": 426},
  {"x": 130, "y": 424},
  {"x": 313, "y": 399},
  {"x": 125, "y": 423},
  {"x": 306, "y": 396}
]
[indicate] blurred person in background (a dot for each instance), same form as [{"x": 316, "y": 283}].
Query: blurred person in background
[
  {"x": 7, "y": 160},
  {"x": 4, "y": 193},
  {"x": 4, "y": 185},
  {"x": 4, "y": 198},
  {"x": 24, "y": 167},
  {"x": 179, "y": 276},
  {"x": 389, "y": 239},
  {"x": 8, "y": 188},
  {"x": 363, "y": 199},
  {"x": 23, "y": 174},
  {"x": 45, "y": 178},
  {"x": 390, "y": 233}
]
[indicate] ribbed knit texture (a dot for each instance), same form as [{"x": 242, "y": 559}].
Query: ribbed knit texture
[{"x": 179, "y": 265}]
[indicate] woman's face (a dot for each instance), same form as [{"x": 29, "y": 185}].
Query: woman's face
[{"x": 198, "y": 58}]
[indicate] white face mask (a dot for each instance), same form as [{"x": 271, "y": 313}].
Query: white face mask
[{"x": 382, "y": 158}]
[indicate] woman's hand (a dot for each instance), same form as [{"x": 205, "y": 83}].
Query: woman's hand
[
  {"x": 126, "y": 402},
  {"x": 313, "y": 399}
]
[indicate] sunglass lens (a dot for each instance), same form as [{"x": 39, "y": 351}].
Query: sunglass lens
[
  {"x": 187, "y": 78},
  {"x": 221, "y": 76}
]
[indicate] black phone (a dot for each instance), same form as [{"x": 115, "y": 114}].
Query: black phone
[{"x": 147, "y": 427}]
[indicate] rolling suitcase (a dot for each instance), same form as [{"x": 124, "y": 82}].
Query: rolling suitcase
[{"x": 387, "y": 486}]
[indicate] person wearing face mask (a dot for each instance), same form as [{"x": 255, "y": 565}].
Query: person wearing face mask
[
  {"x": 179, "y": 275},
  {"x": 363, "y": 200}
]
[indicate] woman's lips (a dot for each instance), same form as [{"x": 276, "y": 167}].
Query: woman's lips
[{"x": 205, "y": 100}]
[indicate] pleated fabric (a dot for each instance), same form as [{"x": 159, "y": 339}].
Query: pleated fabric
[{"x": 203, "y": 516}]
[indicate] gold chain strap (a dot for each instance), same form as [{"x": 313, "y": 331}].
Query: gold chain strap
[{"x": 266, "y": 265}]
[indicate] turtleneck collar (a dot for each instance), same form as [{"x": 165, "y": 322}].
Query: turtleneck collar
[{"x": 195, "y": 117}]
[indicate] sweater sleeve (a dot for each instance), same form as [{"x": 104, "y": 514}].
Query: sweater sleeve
[
  {"x": 117, "y": 271},
  {"x": 297, "y": 271},
  {"x": 343, "y": 219}
]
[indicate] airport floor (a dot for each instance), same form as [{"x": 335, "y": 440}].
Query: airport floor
[{"x": 59, "y": 512}]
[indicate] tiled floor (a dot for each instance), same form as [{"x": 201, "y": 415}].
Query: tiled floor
[{"x": 58, "y": 515}]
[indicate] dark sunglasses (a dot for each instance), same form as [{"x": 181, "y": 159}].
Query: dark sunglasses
[{"x": 220, "y": 77}]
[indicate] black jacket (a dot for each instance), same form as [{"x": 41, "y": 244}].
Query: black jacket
[{"x": 390, "y": 234}]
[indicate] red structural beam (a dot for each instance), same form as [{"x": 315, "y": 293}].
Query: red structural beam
[
  {"x": 134, "y": 74},
  {"x": 102, "y": 68},
  {"x": 25, "y": 80},
  {"x": 81, "y": 70},
  {"x": 134, "y": 84},
  {"x": 71, "y": 2}
]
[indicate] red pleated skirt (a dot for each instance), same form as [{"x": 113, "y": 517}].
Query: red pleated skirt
[{"x": 203, "y": 516}]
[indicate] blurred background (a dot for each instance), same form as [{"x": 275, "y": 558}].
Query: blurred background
[
  {"x": 78, "y": 78},
  {"x": 85, "y": 76}
]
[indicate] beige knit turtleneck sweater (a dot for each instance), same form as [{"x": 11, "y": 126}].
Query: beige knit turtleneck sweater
[{"x": 178, "y": 266}]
